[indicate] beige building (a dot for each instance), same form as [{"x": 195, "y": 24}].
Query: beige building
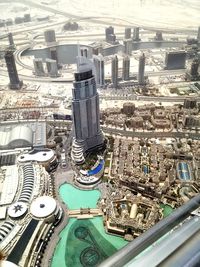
[
  {"x": 128, "y": 108},
  {"x": 136, "y": 122}
]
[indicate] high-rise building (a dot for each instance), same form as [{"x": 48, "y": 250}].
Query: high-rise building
[
  {"x": 158, "y": 36},
  {"x": 84, "y": 52},
  {"x": 192, "y": 41},
  {"x": 38, "y": 67},
  {"x": 190, "y": 103},
  {"x": 198, "y": 34},
  {"x": 136, "y": 34},
  {"x": 99, "y": 68},
  {"x": 141, "y": 78},
  {"x": 15, "y": 83},
  {"x": 108, "y": 31},
  {"x": 27, "y": 17},
  {"x": 127, "y": 34},
  {"x": 10, "y": 39},
  {"x": 110, "y": 36},
  {"x": 112, "y": 39},
  {"x": 114, "y": 70},
  {"x": 194, "y": 67},
  {"x": 193, "y": 73},
  {"x": 53, "y": 53},
  {"x": 87, "y": 135},
  {"x": 126, "y": 68},
  {"x": 50, "y": 36},
  {"x": 98, "y": 49},
  {"x": 52, "y": 67},
  {"x": 128, "y": 46}
]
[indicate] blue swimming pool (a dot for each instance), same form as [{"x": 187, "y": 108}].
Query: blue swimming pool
[
  {"x": 97, "y": 169},
  {"x": 183, "y": 171},
  {"x": 145, "y": 169}
]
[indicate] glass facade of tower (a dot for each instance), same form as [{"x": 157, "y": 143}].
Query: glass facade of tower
[
  {"x": 85, "y": 110},
  {"x": 15, "y": 83}
]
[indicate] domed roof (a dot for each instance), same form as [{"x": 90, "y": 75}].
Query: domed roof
[
  {"x": 17, "y": 210},
  {"x": 43, "y": 206}
]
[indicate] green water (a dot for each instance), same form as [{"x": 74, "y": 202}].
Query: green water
[
  {"x": 167, "y": 209},
  {"x": 83, "y": 242},
  {"x": 76, "y": 199}
]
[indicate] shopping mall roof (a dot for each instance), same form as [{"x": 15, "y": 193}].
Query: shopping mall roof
[
  {"x": 18, "y": 136},
  {"x": 36, "y": 155},
  {"x": 43, "y": 206},
  {"x": 22, "y": 134}
]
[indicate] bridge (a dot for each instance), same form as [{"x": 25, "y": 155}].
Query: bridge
[{"x": 84, "y": 213}]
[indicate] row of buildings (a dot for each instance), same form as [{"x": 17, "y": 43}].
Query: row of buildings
[
  {"x": 148, "y": 117},
  {"x": 17, "y": 20},
  {"x": 173, "y": 60},
  {"x": 126, "y": 70},
  {"x": 152, "y": 117},
  {"x": 133, "y": 34}
]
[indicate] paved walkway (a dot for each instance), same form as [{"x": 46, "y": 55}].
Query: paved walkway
[{"x": 61, "y": 176}]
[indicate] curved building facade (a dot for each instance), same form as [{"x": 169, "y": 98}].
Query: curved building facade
[
  {"x": 85, "y": 110},
  {"x": 46, "y": 157}
]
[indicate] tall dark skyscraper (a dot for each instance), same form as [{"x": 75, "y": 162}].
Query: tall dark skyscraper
[
  {"x": 128, "y": 46},
  {"x": 10, "y": 39},
  {"x": 53, "y": 53},
  {"x": 99, "y": 67},
  {"x": 193, "y": 73},
  {"x": 15, "y": 83},
  {"x": 109, "y": 31},
  {"x": 84, "y": 52},
  {"x": 52, "y": 67},
  {"x": 198, "y": 34},
  {"x": 87, "y": 134},
  {"x": 194, "y": 67},
  {"x": 127, "y": 33},
  {"x": 50, "y": 36},
  {"x": 136, "y": 34},
  {"x": 114, "y": 69},
  {"x": 38, "y": 67},
  {"x": 110, "y": 36},
  {"x": 126, "y": 68},
  {"x": 141, "y": 68},
  {"x": 158, "y": 36}
]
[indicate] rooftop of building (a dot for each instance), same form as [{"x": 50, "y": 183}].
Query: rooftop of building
[{"x": 22, "y": 134}]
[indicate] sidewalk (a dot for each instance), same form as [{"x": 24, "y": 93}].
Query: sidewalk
[{"x": 61, "y": 176}]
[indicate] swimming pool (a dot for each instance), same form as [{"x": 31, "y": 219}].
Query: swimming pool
[{"x": 183, "y": 171}]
